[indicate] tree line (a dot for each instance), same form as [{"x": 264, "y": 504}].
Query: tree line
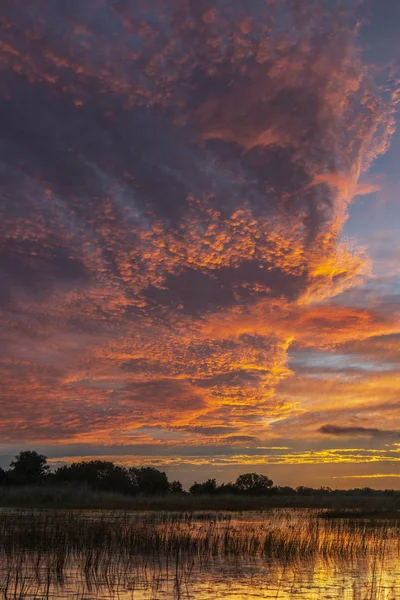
[{"x": 31, "y": 468}]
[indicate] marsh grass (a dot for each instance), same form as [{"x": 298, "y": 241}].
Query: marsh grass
[
  {"x": 109, "y": 550},
  {"x": 49, "y": 496},
  {"x": 57, "y": 496},
  {"x": 276, "y": 534}
]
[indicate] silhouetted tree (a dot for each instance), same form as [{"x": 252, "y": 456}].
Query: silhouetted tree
[
  {"x": 4, "y": 477},
  {"x": 98, "y": 474},
  {"x": 29, "y": 467},
  {"x": 305, "y": 491},
  {"x": 148, "y": 480},
  {"x": 175, "y": 487},
  {"x": 227, "y": 488},
  {"x": 253, "y": 483},
  {"x": 207, "y": 487},
  {"x": 285, "y": 490}
]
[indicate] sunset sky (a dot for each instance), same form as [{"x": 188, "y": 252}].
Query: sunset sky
[{"x": 199, "y": 236}]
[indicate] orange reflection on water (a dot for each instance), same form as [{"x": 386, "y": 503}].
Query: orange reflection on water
[{"x": 279, "y": 554}]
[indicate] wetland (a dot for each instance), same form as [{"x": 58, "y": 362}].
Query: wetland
[{"x": 276, "y": 553}]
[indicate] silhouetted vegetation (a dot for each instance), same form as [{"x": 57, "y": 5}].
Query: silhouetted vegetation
[
  {"x": 99, "y": 475},
  {"x": 254, "y": 484},
  {"x": 149, "y": 481},
  {"x": 28, "y": 467},
  {"x": 99, "y": 483},
  {"x": 208, "y": 487},
  {"x": 175, "y": 487}
]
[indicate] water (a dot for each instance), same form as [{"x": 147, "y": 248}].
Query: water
[{"x": 279, "y": 554}]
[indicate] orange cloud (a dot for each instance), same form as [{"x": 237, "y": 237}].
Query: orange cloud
[{"x": 175, "y": 195}]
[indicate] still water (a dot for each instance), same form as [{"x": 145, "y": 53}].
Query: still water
[{"x": 278, "y": 554}]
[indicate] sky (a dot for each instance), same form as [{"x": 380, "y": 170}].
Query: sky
[{"x": 199, "y": 255}]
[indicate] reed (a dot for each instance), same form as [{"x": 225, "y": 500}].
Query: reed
[
  {"x": 277, "y": 534},
  {"x": 39, "y": 549}
]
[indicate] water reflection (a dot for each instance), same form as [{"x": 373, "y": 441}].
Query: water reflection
[{"x": 148, "y": 556}]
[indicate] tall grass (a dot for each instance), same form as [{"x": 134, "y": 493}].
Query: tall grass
[
  {"x": 41, "y": 549},
  {"x": 50, "y": 496},
  {"x": 281, "y": 535}
]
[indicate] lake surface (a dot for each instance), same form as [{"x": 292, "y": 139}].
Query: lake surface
[{"x": 278, "y": 554}]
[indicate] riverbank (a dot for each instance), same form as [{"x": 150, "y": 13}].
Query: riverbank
[{"x": 83, "y": 497}]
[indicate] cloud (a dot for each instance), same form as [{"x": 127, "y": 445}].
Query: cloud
[
  {"x": 174, "y": 184},
  {"x": 337, "y": 430},
  {"x": 220, "y": 459},
  {"x": 241, "y": 438},
  {"x": 211, "y": 430},
  {"x": 371, "y": 476}
]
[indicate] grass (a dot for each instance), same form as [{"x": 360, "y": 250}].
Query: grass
[
  {"x": 362, "y": 513},
  {"x": 124, "y": 549},
  {"x": 279, "y": 535},
  {"x": 86, "y": 498},
  {"x": 62, "y": 497}
]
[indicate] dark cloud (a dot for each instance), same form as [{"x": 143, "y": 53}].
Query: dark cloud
[
  {"x": 350, "y": 431},
  {"x": 211, "y": 430},
  {"x": 241, "y": 438},
  {"x": 132, "y": 145}
]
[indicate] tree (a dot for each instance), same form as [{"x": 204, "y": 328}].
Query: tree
[
  {"x": 98, "y": 474},
  {"x": 208, "y": 487},
  {"x": 253, "y": 483},
  {"x": 227, "y": 488},
  {"x": 29, "y": 467},
  {"x": 303, "y": 490},
  {"x": 148, "y": 480},
  {"x": 175, "y": 487},
  {"x": 285, "y": 490},
  {"x": 3, "y": 477}
]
